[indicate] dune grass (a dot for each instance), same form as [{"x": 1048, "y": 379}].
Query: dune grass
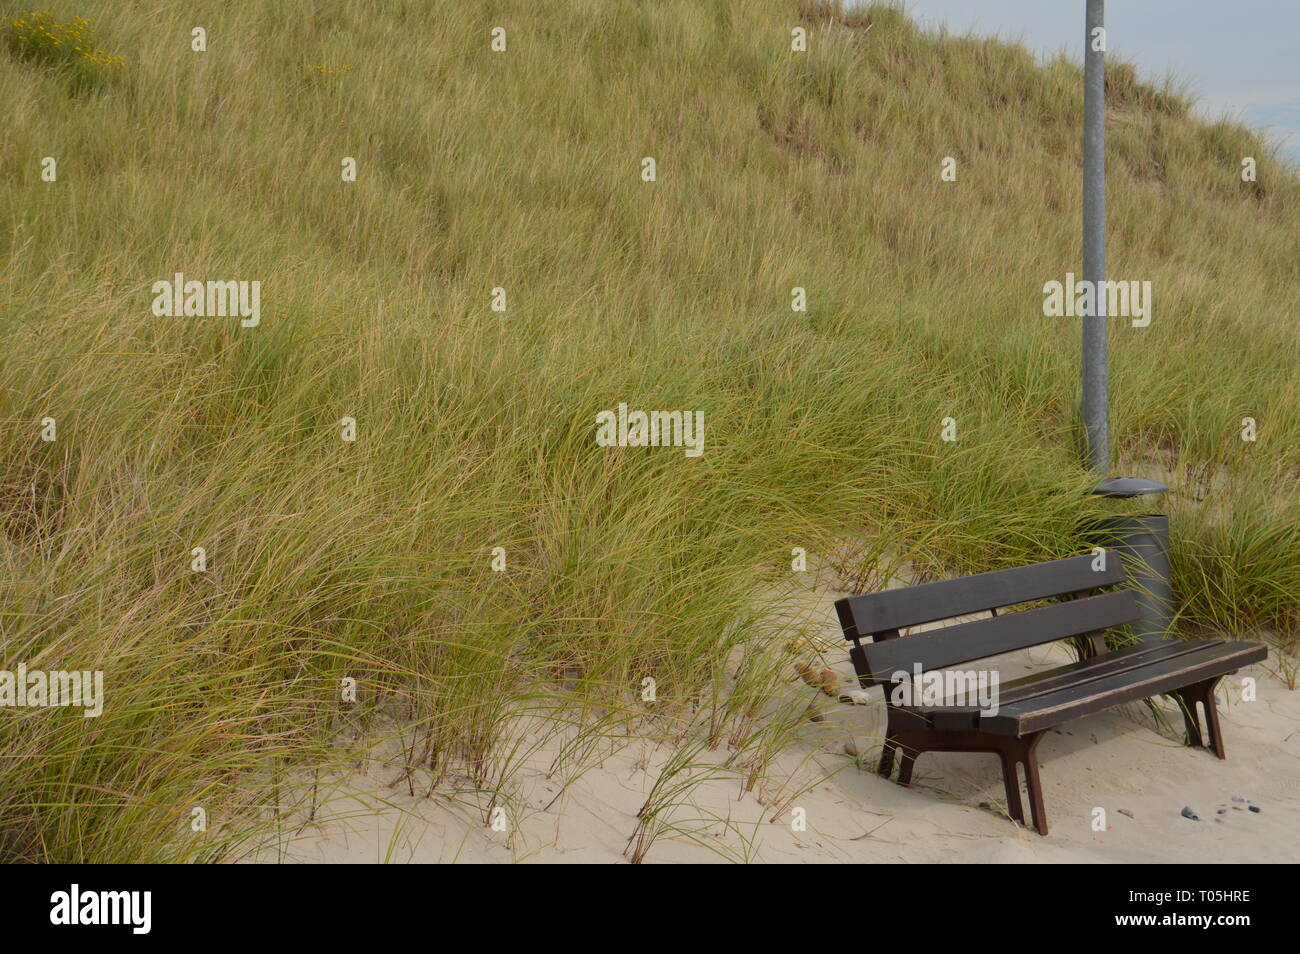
[{"x": 372, "y": 559}]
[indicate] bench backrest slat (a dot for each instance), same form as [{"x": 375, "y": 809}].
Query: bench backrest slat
[
  {"x": 891, "y": 610},
  {"x": 965, "y": 642}
]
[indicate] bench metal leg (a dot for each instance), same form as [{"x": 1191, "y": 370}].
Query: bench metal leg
[
  {"x": 1011, "y": 779},
  {"x": 1016, "y": 752},
  {"x": 1212, "y": 721},
  {"x": 1033, "y": 785},
  {"x": 1191, "y": 717},
  {"x": 908, "y": 744},
  {"x": 905, "y": 733},
  {"x": 905, "y": 767},
  {"x": 1203, "y": 693},
  {"x": 1012, "y": 752},
  {"x": 886, "y": 767}
]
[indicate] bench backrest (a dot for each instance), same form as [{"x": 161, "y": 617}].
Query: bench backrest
[{"x": 880, "y": 616}]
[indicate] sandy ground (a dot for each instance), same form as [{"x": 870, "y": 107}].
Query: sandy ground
[{"x": 954, "y": 811}]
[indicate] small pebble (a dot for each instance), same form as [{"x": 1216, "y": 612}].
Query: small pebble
[
  {"x": 1221, "y": 811},
  {"x": 1256, "y": 809},
  {"x": 850, "y": 750},
  {"x": 1238, "y": 798},
  {"x": 1188, "y": 813}
]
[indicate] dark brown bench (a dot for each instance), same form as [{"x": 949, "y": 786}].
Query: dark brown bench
[{"x": 1086, "y": 603}]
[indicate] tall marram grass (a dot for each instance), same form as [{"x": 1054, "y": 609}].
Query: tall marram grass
[{"x": 475, "y": 428}]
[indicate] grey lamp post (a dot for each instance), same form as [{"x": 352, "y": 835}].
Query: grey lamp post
[
  {"x": 1096, "y": 411},
  {"x": 1142, "y": 541}
]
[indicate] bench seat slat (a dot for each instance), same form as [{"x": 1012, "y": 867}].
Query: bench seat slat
[
  {"x": 966, "y": 717},
  {"x": 1114, "y": 662},
  {"x": 1077, "y": 673},
  {"x": 983, "y": 638},
  {"x": 1163, "y": 675}
]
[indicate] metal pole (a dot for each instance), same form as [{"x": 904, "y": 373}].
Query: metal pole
[
  {"x": 1142, "y": 541},
  {"x": 1096, "y": 416}
]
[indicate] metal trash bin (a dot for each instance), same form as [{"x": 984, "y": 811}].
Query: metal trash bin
[{"x": 1142, "y": 543}]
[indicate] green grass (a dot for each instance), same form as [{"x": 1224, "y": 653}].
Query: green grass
[{"x": 476, "y": 428}]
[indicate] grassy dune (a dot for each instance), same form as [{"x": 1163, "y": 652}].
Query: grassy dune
[{"x": 371, "y": 559}]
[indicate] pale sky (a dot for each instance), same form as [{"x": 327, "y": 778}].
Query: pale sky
[{"x": 1240, "y": 57}]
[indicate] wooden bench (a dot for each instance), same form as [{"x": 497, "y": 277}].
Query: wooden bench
[{"x": 1087, "y": 603}]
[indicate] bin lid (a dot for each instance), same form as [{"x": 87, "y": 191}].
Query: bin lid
[{"x": 1128, "y": 487}]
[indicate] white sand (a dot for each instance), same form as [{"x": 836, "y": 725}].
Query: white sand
[{"x": 1121, "y": 759}]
